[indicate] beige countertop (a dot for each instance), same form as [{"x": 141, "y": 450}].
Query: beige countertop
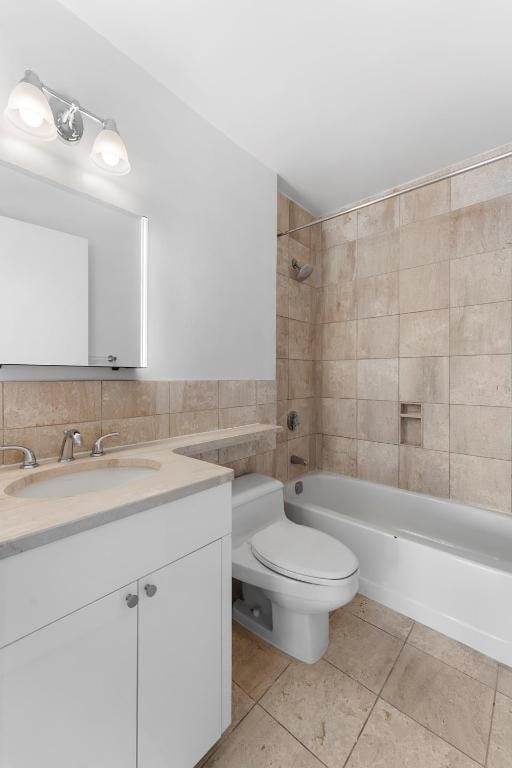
[{"x": 26, "y": 523}]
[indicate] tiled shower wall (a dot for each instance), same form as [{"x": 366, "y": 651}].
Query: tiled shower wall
[{"x": 415, "y": 306}]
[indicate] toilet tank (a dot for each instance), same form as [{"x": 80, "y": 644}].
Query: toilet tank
[{"x": 257, "y": 501}]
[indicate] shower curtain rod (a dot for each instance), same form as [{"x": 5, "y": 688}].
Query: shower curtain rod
[{"x": 403, "y": 191}]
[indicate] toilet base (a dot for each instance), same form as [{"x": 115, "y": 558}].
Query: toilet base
[{"x": 304, "y": 636}]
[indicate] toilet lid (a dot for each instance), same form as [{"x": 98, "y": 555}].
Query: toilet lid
[{"x": 303, "y": 553}]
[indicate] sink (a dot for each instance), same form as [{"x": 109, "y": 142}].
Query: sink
[{"x": 76, "y": 481}]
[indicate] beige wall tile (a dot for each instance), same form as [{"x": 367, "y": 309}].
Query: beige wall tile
[
  {"x": 266, "y": 391},
  {"x": 338, "y": 340},
  {"x": 377, "y": 218},
  {"x": 482, "y": 227},
  {"x": 377, "y": 379},
  {"x": 242, "y": 466},
  {"x": 301, "y": 340},
  {"x": 338, "y": 230},
  {"x": 339, "y": 263},
  {"x": 301, "y": 301},
  {"x": 377, "y": 337},
  {"x": 425, "y": 334},
  {"x": 282, "y": 379},
  {"x": 482, "y": 329},
  {"x": 426, "y": 287},
  {"x": 299, "y": 446},
  {"x": 481, "y": 431},
  {"x": 127, "y": 399},
  {"x": 426, "y": 242},
  {"x": 46, "y": 441},
  {"x": 337, "y": 302},
  {"x": 265, "y": 463},
  {"x": 282, "y": 295},
  {"x": 281, "y": 463},
  {"x": 237, "y": 452},
  {"x": 338, "y": 378},
  {"x": 480, "y": 481},
  {"x": 194, "y": 396},
  {"x": 426, "y": 202},
  {"x": 237, "y": 392},
  {"x": 424, "y": 471},
  {"x": 500, "y": 744},
  {"x": 481, "y": 278},
  {"x": 377, "y": 462},
  {"x": 282, "y": 336},
  {"x": 424, "y": 379},
  {"x": 298, "y": 217},
  {"x": 283, "y": 257},
  {"x": 339, "y": 454},
  {"x": 306, "y": 407},
  {"x": 480, "y": 380},
  {"x": 283, "y": 213},
  {"x": 377, "y": 255},
  {"x": 141, "y": 429},
  {"x": 481, "y": 184},
  {"x": 44, "y": 403},
  {"x": 436, "y": 426},
  {"x": 301, "y": 379},
  {"x": 237, "y": 417},
  {"x": 377, "y": 295},
  {"x": 377, "y": 421},
  {"x": 281, "y": 414},
  {"x": 337, "y": 417}
]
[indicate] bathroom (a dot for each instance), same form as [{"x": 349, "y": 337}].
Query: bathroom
[{"x": 256, "y": 373}]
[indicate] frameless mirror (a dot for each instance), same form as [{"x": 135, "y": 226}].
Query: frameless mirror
[{"x": 73, "y": 274}]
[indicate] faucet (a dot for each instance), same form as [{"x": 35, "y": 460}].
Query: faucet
[
  {"x": 97, "y": 449},
  {"x": 298, "y": 460},
  {"x": 29, "y": 457},
  {"x": 72, "y": 437}
]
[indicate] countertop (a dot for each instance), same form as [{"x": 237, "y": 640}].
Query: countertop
[{"x": 26, "y": 523}]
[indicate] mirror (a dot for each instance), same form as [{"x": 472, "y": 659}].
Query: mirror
[{"x": 73, "y": 272}]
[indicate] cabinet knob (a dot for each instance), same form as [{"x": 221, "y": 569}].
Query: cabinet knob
[
  {"x": 150, "y": 589},
  {"x": 131, "y": 601}
]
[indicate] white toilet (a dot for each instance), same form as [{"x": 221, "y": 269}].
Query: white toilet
[{"x": 291, "y": 575}]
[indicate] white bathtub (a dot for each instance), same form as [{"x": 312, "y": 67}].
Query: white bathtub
[{"x": 444, "y": 564}]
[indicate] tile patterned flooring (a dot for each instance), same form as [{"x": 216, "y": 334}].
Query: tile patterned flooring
[{"x": 389, "y": 693}]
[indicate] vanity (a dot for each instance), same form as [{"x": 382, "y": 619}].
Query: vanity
[{"x": 115, "y": 607}]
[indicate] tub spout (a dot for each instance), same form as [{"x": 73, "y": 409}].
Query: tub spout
[{"x": 298, "y": 460}]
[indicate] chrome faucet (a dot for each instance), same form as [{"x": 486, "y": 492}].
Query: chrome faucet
[
  {"x": 298, "y": 460},
  {"x": 72, "y": 437},
  {"x": 97, "y": 449},
  {"x": 29, "y": 457}
]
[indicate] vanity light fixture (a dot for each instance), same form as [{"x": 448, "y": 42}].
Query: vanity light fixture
[{"x": 36, "y": 109}]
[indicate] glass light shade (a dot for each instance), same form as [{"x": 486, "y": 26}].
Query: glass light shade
[
  {"x": 28, "y": 110},
  {"x": 109, "y": 152}
]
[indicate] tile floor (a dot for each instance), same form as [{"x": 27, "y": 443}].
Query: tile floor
[{"x": 388, "y": 693}]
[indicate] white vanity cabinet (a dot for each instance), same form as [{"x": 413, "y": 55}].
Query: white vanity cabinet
[{"x": 115, "y": 642}]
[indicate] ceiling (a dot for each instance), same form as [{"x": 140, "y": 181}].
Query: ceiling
[{"x": 342, "y": 99}]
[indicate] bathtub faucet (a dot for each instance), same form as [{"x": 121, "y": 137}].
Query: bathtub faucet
[{"x": 298, "y": 460}]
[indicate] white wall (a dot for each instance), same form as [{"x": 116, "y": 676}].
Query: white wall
[{"x": 211, "y": 206}]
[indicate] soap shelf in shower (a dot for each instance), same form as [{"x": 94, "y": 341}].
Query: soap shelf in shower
[{"x": 411, "y": 424}]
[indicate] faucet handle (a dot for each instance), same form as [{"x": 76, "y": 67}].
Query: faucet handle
[
  {"x": 29, "y": 457},
  {"x": 97, "y": 449}
]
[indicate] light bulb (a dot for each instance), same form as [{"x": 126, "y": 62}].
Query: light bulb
[
  {"x": 28, "y": 108},
  {"x": 109, "y": 151},
  {"x": 109, "y": 158},
  {"x": 30, "y": 117}
]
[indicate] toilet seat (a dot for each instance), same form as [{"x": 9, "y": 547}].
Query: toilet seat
[{"x": 303, "y": 553}]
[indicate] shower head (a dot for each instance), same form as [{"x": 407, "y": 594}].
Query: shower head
[{"x": 301, "y": 271}]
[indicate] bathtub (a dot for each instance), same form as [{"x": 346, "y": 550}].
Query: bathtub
[{"x": 444, "y": 564}]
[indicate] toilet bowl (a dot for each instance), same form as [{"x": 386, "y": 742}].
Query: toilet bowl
[{"x": 291, "y": 575}]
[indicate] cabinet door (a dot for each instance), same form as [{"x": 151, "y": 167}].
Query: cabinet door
[
  {"x": 180, "y": 660},
  {"x": 68, "y": 692}
]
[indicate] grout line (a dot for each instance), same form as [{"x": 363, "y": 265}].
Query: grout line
[{"x": 486, "y": 760}]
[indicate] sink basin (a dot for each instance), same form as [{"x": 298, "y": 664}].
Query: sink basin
[{"x": 73, "y": 482}]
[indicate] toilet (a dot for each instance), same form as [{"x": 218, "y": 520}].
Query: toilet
[{"x": 291, "y": 575}]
